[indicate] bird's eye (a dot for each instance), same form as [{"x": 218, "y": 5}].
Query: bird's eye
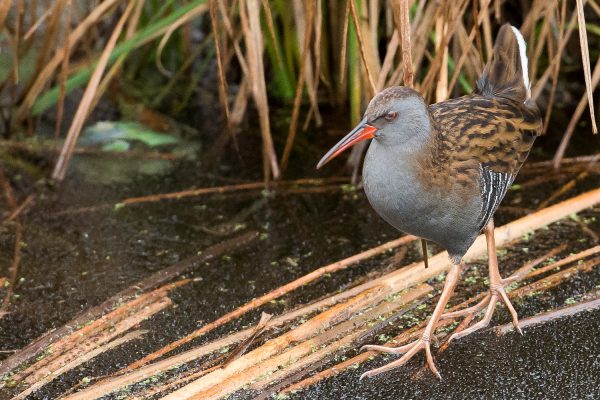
[{"x": 391, "y": 115}]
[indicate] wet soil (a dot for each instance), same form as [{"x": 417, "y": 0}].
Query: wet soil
[{"x": 74, "y": 260}]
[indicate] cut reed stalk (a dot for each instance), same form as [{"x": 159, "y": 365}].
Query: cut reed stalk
[
  {"x": 275, "y": 294},
  {"x": 549, "y": 316},
  {"x": 211, "y": 385}
]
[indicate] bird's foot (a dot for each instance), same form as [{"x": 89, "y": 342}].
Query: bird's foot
[
  {"x": 409, "y": 350},
  {"x": 497, "y": 292}
]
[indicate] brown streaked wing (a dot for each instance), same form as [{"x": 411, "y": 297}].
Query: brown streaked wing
[
  {"x": 484, "y": 140},
  {"x": 496, "y": 132}
]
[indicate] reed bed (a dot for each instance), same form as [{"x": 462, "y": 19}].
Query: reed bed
[{"x": 301, "y": 53}]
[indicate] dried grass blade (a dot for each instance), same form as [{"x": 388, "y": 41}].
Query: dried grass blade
[
  {"x": 35, "y": 26},
  {"x": 344, "y": 51},
  {"x": 251, "y": 27},
  {"x": 560, "y": 152},
  {"x": 48, "y": 71},
  {"x": 83, "y": 110},
  {"x": 299, "y": 89},
  {"x": 275, "y": 294},
  {"x": 585, "y": 58},
  {"x": 258, "y": 330},
  {"x": 361, "y": 46},
  {"x": 64, "y": 68},
  {"x": 221, "y": 70},
  {"x": 173, "y": 26},
  {"x": 80, "y": 360}
]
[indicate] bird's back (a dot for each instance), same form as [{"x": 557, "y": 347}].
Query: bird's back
[{"x": 484, "y": 138}]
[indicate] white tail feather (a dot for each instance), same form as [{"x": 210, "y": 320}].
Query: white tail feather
[{"x": 524, "y": 60}]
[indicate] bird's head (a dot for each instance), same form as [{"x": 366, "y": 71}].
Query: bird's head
[{"x": 395, "y": 117}]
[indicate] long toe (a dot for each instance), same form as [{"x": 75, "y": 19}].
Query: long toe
[
  {"x": 410, "y": 350},
  {"x": 386, "y": 349}
]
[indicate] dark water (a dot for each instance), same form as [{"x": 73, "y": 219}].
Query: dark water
[{"x": 74, "y": 260}]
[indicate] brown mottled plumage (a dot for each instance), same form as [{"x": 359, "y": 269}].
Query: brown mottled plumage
[
  {"x": 474, "y": 132},
  {"x": 440, "y": 172}
]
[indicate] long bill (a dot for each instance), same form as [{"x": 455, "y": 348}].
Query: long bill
[{"x": 362, "y": 131}]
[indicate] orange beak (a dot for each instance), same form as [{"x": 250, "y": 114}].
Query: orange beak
[{"x": 363, "y": 131}]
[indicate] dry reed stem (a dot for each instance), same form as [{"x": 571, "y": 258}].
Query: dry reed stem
[
  {"x": 549, "y": 316},
  {"x": 419, "y": 36},
  {"x": 585, "y": 58},
  {"x": 112, "y": 384},
  {"x": 309, "y": 327},
  {"x": 221, "y": 70},
  {"x": 309, "y": 21},
  {"x": 64, "y": 68},
  {"x": 540, "y": 179},
  {"x": 437, "y": 64},
  {"x": 299, "y": 89},
  {"x": 251, "y": 27},
  {"x": 563, "y": 189},
  {"x": 262, "y": 326},
  {"x": 84, "y": 106},
  {"x": 212, "y": 384},
  {"x": 556, "y": 70},
  {"x": 555, "y": 279},
  {"x": 275, "y": 294},
  {"x": 48, "y": 71},
  {"x": 355, "y": 361},
  {"x": 194, "y": 12},
  {"x": 344, "y": 50},
  {"x": 88, "y": 349},
  {"x": 226, "y": 189},
  {"x": 541, "y": 82},
  {"x": 269, "y": 356},
  {"x": 240, "y": 103},
  {"x": 404, "y": 30},
  {"x": 346, "y": 333},
  {"x": 50, "y": 36},
  {"x": 575, "y": 119},
  {"x": 78, "y": 361},
  {"x": 19, "y": 209},
  {"x": 441, "y": 88},
  {"x": 408, "y": 275},
  {"x": 13, "y": 269},
  {"x": 232, "y": 36},
  {"x": 104, "y": 328},
  {"x": 535, "y": 54},
  {"x": 413, "y": 332},
  {"x": 147, "y": 394},
  {"x": 388, "y": 61},
  {"x": 157, "y": 279},
  {"x": 361, "y": 45},
  {"x": 32, "y": 30},
  {"x": 590, "y": 158},
  {"x": 568, "y": 260},
  {"x": 203, "y": 191},
  {"x": 467, "y": 48},
  {"x": 132, "y": 25}
]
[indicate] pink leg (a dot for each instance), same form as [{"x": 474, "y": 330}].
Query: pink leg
[
  {"x": 411, "y": 349},
  {"x": 497, "y": 292}
]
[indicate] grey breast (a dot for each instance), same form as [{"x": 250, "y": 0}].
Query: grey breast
[{"x": 395, "y": 192}]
